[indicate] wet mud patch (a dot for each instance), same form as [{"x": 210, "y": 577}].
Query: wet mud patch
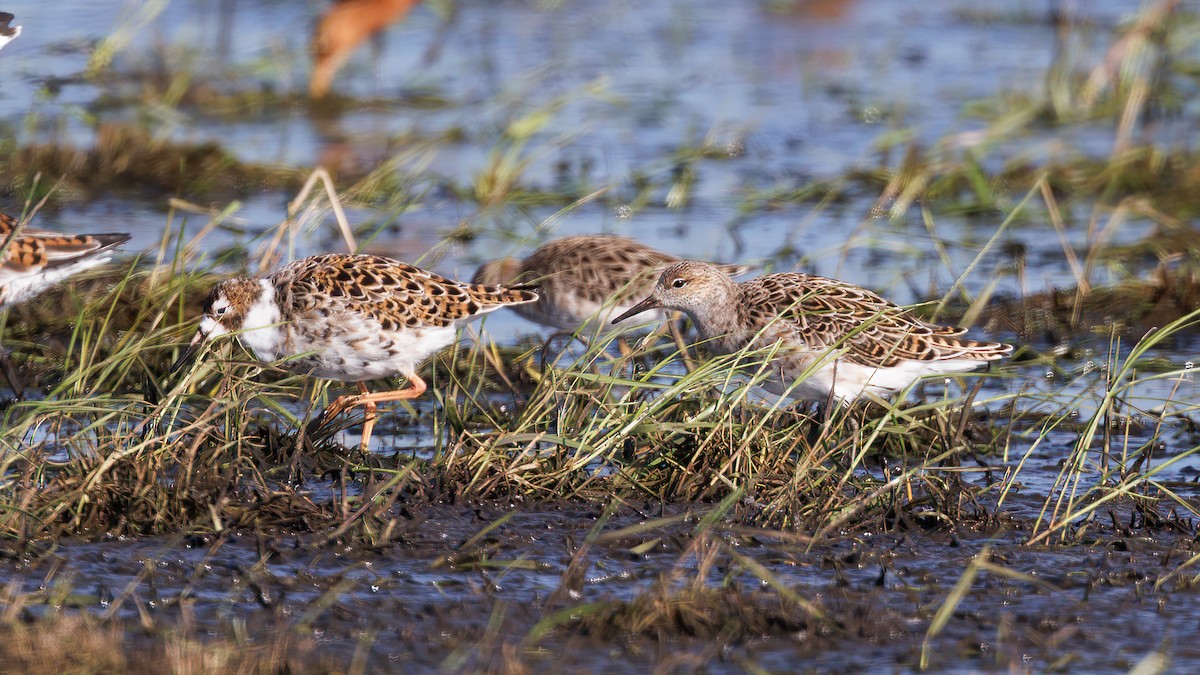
[{"x": 488, "y": 586}]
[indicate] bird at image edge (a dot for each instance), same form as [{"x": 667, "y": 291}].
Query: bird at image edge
[
  {"x": 32, "y": 260},
  {"x": 8, "y": 32}
]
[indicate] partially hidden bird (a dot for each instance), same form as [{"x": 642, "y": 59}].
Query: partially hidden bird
[
  {"x": 33, "y": 260},
  {"x": 8, "y": 32},
  {"x": 585, "y": 278}
]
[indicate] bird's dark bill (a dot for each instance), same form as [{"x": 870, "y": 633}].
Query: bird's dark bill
[
  {"x": 188, "y": 352},
  {"x": 647, "y": 304}
]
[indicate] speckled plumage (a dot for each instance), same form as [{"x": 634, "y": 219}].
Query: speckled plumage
[
  {"x": 847, "y": 339},
  {"x": 33, "y": 260},
  {"x": 585, "y": 277},
  {"x": 351, "y": 318}
]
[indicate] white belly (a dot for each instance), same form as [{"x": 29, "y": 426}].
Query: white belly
[
  {"x": 19, "y": 286},
  {"x": 347, "y": 346},
  {"x": 849, "y": 381},
  {"x": 363, "y": 356}
]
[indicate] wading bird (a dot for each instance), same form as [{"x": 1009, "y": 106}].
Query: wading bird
[
  {"x": 8, "y": 32},
  {"x": 584, "y": 278},
  {"x": 350, "y": 318},
  {"x": 346, "y": 25},
  {"x": 842, "y": 339},
  {"x": 33, "y": 260}
]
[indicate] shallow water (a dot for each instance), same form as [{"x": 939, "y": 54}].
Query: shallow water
[
  {"x": 788, "y": 91},
  {"x": 778, "y": 94}
]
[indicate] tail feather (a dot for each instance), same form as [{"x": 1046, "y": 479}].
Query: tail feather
[
  {"x": 521, "y": 294},
  {"x": 67, "y": 249},
  {"x": 732, "y": 270},
  {"x": 956, "y": 348},
  {"x": 944, "y": 330},
  {"x": 499, "y": 296},
  {"x": 111, "y": 239}
]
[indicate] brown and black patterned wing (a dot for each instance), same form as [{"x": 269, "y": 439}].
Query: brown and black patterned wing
[
  {"x": 26, "y": 249},
  {"x": 395, "y": 294},
  {"x": 600, "y": 267},
  {"x": 594, "y": 267},
  {"x": 825, "y": 313}
]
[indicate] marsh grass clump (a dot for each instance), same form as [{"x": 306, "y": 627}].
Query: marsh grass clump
[
  {"x": 36, "y": 647},
  {"x": 728, "y": 614},
  {"x": 123, "y": 316},
  {"x": 109, "y": 473},
  {"x": 591, "y": 430},
  {"x": 122, "y": 445},
  {"x": 1130, "y": 308},
  {"x": 125, "y": 158},
  {"x": 1144, "y": 76},
  {"x": 1113, "y": 459}
]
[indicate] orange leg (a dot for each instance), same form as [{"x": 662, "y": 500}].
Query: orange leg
[{"x": 370, "y": 402}]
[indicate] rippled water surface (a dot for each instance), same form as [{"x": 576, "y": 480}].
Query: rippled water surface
[{"x": 786, "y": 91}]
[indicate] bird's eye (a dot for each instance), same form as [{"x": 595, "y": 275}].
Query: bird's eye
[
  {"x": 220, "y": 310},
  {"x": 678, "y": 282}
]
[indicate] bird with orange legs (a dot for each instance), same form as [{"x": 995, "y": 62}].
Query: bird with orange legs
[
  {"x": 346, "y": 25},
  {"x": 350, "y": 318}
]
